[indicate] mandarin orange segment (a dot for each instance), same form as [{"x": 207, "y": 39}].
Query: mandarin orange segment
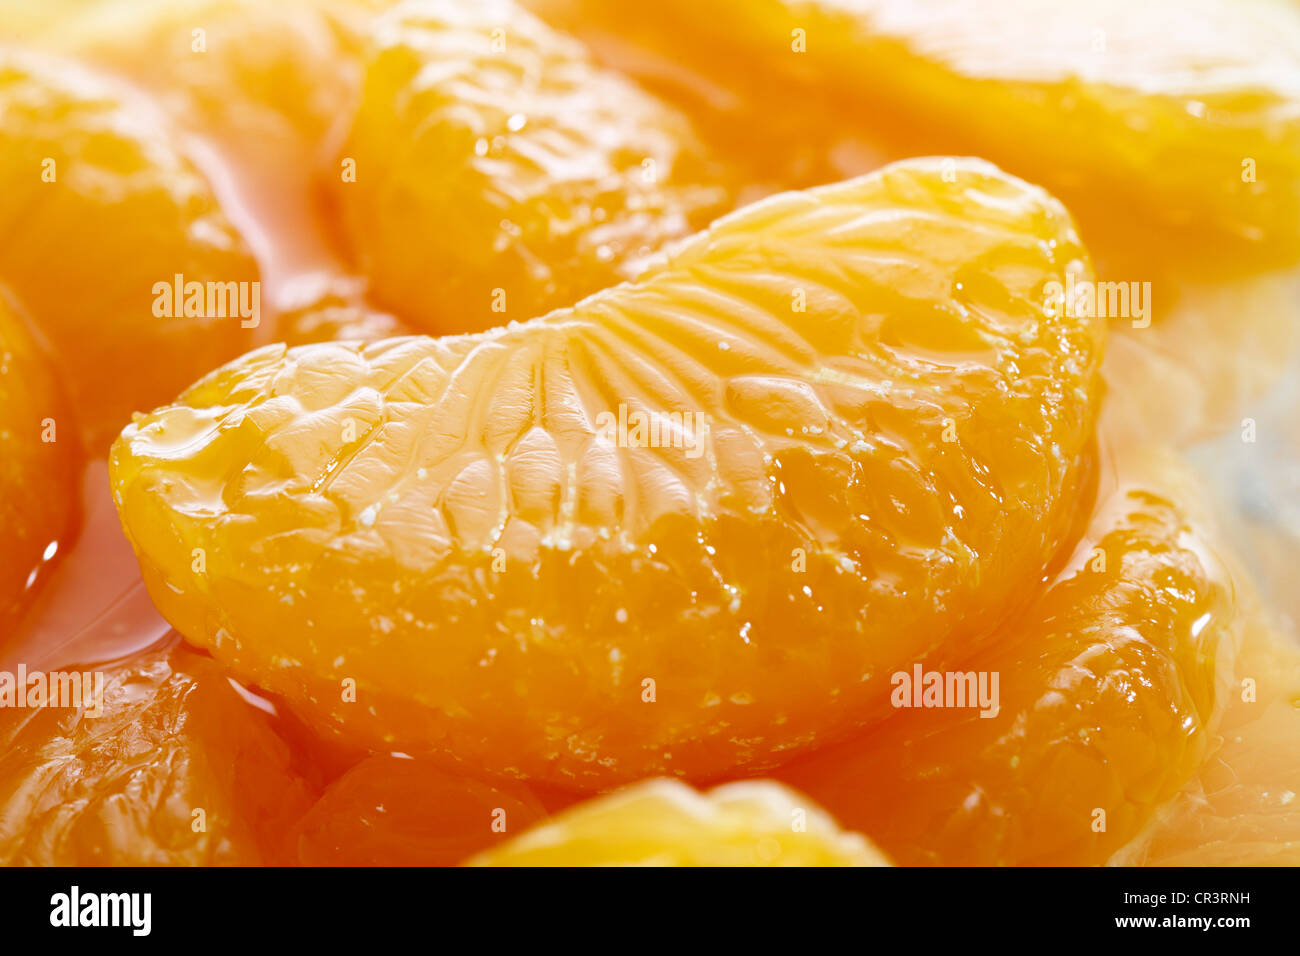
[
  {"x": 103, "y": 211},
  {"x": 262, "y": 92},
  {"x": 167, "y": 766},
  {"x": 497, "y": 173},
  {"x": 1243, "y": 806},
  {"x": 1109, "y": 690},
  {"x": 396, "y": 811},
  {"x": 690, "y": 525},
  {"x": 38, "y": 464},
  {"x": 1166, "y": 112},
  {"x": 666, "y": 823},
  {"x": 241, "y": 67}
]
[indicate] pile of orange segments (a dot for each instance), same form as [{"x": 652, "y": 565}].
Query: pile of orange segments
[{"x": 589, "y": 433}]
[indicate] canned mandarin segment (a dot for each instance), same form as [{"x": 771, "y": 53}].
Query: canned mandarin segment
[
  {"x": 1165, "y": 118},
  {"x": 112, "y": 218},
  {"x": 174, "y": 769},
  {"x": 560, "y": 177},
  {"x": 666, "y": 823},
  {"x": 1113, "y": 686},
  {"x": 896, "y": 431}
]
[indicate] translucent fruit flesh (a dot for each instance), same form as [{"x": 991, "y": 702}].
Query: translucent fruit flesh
[
  {"x": 666, "y": 823},
  {"x": 559, "y": 177},
  {"x": 394, "y": 811},
  {"x": 38, "y": 471},
  {"x": 244, "y": 68},
  {"x": 1111, "y": 688},
  {"x": 1123, "y": 679},
  {"x": 100, "y": 207},
  {"x": 1132, "y": 123},
  {"x": 891, "y": 435},
  {"x": 1243, "y": 807},
  {"x": 176, "y": 769}
]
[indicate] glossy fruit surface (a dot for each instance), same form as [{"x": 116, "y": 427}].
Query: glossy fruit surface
[
  {"x": 707, "y": 524},
  {"x": 38, "y": 472},
  {"x": 879, "y": 435},
  {"x": 1194, "y": 130},
  {"x": 104, "y": 213},
  {"x": 498, "y": 173},
  {"x": 666, "y": 823},
  {"x": 1109, "y": 691},
  {"x": 242, "y": 67},
  {"x": 175, "y": 768},
  {"x": 1241, "y": 808}
]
